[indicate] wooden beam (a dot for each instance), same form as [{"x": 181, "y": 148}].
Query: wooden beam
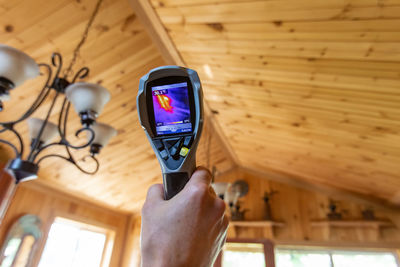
[
  {"x": 157, "y": 32},
  {"x": 7, "y": 191},
  {"x": 152, "y": 23},
  {"x": 323, "y": 189},
  {"x": 49, "y": 188}
]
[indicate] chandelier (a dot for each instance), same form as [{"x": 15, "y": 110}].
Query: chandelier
[{"x": 87, "y": 99}]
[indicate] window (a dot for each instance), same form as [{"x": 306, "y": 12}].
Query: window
[
  {"x": 287, "y": 257},
  {"x": 74, "y": 244},
  {"x": 243, "y": 255}
]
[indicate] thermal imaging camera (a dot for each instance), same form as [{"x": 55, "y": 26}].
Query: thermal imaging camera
[{"x": 170, "y": 107}]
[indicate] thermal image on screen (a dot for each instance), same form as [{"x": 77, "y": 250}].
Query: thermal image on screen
[{"x": 171, "y": 108}]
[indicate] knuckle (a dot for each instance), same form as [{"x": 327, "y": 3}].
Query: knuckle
[
  {"x": 199, "y": 191},
  {"x": 220, "y": 207},
  {"x": 225, "y": 223},
  {"x": 152, "y": 188},
  {"x": 202, "y": 171},
  {"x": 146, "y": 209}
]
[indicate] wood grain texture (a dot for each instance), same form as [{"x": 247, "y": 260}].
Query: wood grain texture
[
  {"x": 118, "y": 52},
  {"x": 309, "y": 88},
  {"x": 47, "y": 204},
  {"x": 7, "y": 191},
  {"x": 298, "y": 208}
]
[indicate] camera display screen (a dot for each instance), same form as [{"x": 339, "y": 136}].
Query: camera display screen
[{"x": 171, "y": 108}]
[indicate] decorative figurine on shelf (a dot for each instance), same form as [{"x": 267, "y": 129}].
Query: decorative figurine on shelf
[
  {"x": 237, "y": 189},
  {"x": 236, "y": 213},
  {"x": 333, "y": 214},
  {"x": 220, "y": 188},
  {"x": 267, "y": 197},
  {"x": 368, "y": 214}
]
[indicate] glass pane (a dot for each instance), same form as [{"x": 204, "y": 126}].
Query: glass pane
[
  {"x": 90, "y": 249},
  {"x": 365, "y": 259},
  {"x": 68, "y": 245},
  {"x": 300, "y": 258},
  {"x": 243, "y": 255},
  {"x": 10, "y": 252},
  {"x": 243, "y": 259}
]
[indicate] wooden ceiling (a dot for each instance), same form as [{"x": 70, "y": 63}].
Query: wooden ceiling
[
  {"x": 118, "y": 52},
  {"x": 308, "y": 89}
]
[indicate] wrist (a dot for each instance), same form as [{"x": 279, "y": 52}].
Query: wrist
[{"x": 160, "y": 259}]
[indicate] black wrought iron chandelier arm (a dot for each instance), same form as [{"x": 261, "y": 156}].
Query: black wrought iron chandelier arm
[
  {"x": 62, "y": 122},
  {"x": 11, "y": 145},
  {"x": 61, "y": 119},
  {"x": 38, "y": 101},
  {"x": 42, "y": 95},
  {"x": 54, "y": 155},
  {"x": 87, "y": 129},
  {"x": 89, "y": 172},
  {"x": 36, "y": 142},
  {"x": 81, "y": 74},
  {"x": 70, "y": 159},
  {"x": 20, "y": 141},
  {"x": 56, "y": 61},
  {"x": 10, "y": 127},
  {"x": 64, "y": 142}
]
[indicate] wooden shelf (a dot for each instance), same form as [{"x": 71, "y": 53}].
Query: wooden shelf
[
  {"x": 352, "y": 223},
  {"x": 266, "y": 226},
  {"x": 256, "y": 223}
]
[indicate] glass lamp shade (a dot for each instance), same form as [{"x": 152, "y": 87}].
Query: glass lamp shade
[
  {"x": 4, "y": 97},
  {"x": 220, "y": 188},
  {"x": 49, "y": 132},
  {"x": 87, "y": 97},
  {"x": 103, "y": 133},
  {"x": 16, "y": 66}
]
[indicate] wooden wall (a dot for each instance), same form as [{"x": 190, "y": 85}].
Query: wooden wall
[
  {"x": 298, "y": 207},
  {"x": 47, "y": 203}
]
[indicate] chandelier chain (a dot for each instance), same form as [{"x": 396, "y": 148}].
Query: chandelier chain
[{"x": 85, "y": 34}]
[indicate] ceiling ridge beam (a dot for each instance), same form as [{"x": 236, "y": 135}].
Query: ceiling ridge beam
[
  {"x": 152, "y": 23},
  {"x": 331, "y": 191}
]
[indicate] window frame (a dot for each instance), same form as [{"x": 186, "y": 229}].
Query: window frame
[
  {"x": 269, "y": 250},
  {"x": 270, "y": 246},
  {"x": 331, "y": 249},
  {"x": 84, "y": 224}
]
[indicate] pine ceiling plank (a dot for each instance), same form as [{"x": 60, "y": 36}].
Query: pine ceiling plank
[
  {"x": 118, "y": 52},
  {"x": 389, "y": 70},
  {"x": 275, "y": 3},
  {"x": 168, "y": 49},
  {"x": 257, "y": 77},
  {"x": 293, "y": 36},
  {"x": 269, "y": 11},
  {"x": 330, "y": 26},
  {"x": 307, "y": 88},
  {"x": 389, "y": 51}
]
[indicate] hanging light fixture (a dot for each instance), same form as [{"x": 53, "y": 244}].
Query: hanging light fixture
[{"x": 88, "y": 100}]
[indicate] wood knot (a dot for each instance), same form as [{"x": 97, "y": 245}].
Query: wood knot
[
  {"x": 216, "y": 26},
  {"x": 9, "y": 28}
]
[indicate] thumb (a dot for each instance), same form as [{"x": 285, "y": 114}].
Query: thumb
[
  {"x": 201, "y": 175},
  {"x": 155, "y": 193}
]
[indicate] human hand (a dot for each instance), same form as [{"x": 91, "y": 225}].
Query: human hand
[{"x": 188, "y": 230}]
